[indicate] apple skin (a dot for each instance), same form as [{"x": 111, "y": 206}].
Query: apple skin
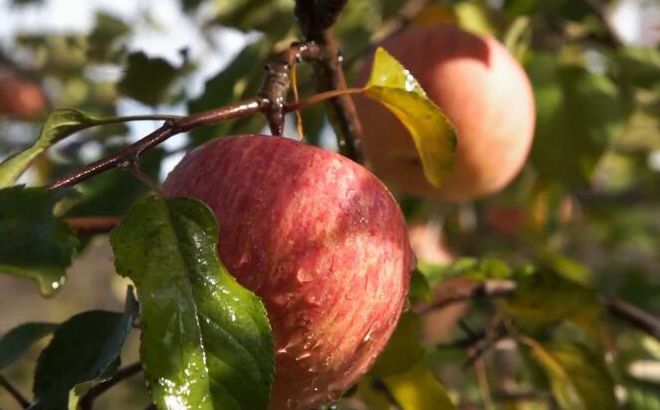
[
  {"x": 484, "y": 92},
  {"x": 320, "y": 239},
  {"x": 20, "y": 97}
]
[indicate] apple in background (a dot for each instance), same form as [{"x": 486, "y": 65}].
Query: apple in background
[
  {"x": 19, "y": 97},
  {"x": 483, "y": 91},
  {"x": 321, "y": 241}
]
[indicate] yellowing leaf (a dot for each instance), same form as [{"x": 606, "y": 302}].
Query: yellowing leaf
[
  {"x": 414, "y": 389},
  {"x": 418, "y": 389},
  {"x": 394, "y": 87},
  {"x": 578, "y": 377}
]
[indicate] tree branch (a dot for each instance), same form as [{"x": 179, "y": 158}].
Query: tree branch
[
  {"x": 14, "y": 393},
  {"x": 492, "y": 288},
  {"x": 93, "y": 224},
  {"x": 634, "y": 316},
  {"x": 87, "y": 400}
]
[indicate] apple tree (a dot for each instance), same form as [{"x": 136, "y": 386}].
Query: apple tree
[{"x": 330, "y": 204}]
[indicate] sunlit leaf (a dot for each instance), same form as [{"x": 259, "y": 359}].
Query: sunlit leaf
[
  {"x": 84, "y": 348},
  {"x": 544, "y": 298},
  {"x": 414, "y": 389},
  {"x": 35, "y": 244},
  {"x": 19, "y": 339},
  {"x": 578, "y": 377},
  {"x": 60, "y": 124},
  {"x": 206, "y": 340},
  {"x": 394, "y": 87},
  {"x": 579, "y": 114}
]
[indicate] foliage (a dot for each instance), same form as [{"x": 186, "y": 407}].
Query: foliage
[{"x": 578, "y": 228}]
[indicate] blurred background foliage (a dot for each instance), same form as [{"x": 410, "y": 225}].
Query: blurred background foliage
[{"x": 580, "y": 224}]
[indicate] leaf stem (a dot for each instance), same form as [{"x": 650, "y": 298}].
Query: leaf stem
[
  {"x": 322, "y": 97},
  {"x": 93, "y": 224},
  {"x": 14, "y": 393},
  {"x": 87, "y": 400}
]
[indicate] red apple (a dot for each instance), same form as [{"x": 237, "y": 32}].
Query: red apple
[
  {"x": 483, "y": 91},
  {"x": 20, "y": 97},
  {"x": 320, "y": 240}
]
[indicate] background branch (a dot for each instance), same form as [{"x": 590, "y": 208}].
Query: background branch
[
  {"x": 87, "y": 401},
  {"x": 14, "y": 393}
]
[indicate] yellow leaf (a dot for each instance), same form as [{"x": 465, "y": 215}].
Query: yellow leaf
[
  {"x": 394, "y": 87},
  {"x": 414, "y": 389}
]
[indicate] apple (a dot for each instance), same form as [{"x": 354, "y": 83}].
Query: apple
[
  {"x": 485, "y": 94},
  {"x": 20, "y": 97},
  {"x": 320, "y": 239}
]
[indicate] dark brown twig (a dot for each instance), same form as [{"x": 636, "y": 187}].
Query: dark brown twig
[
  {"x": 131, "y": 154},
  {"x": 341, "y": 110},
  {"x": 635, "y": 316},
  {"x": 93, "y": 224},
  {"x": 14, "y": 393},
  {"x": 493, "y": 288},
  {"x": 87, "y": 400}
]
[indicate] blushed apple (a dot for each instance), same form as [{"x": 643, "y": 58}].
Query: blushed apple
[
  {"x": 484, "y": 92},
  {"x": 20, "y": 97},
  {"x": 321, "y": 241}
]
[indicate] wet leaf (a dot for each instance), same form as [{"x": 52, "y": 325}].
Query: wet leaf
[
  {"x": 35, "y": 244},
  {"x": 85, "y": 348},
  {"x": 206, "y": 342},
  {"x": 19, "y": 339},
  {"x": 394, "y": 87},
  {"x": 578, "y": 377}
]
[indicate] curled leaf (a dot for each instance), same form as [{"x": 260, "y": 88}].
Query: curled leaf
[{"x": 394, "y": 87}]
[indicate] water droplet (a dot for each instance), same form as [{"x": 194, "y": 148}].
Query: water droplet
[
  {"x": 334, "y": 393},
  {"x": 406, "y": 305},
  {"x": 303, "y": 356},
  {"x": 292, "y": 404},
  {"x": 282, "y": 351},
  {"x": 304, "y": 276},
  {"x": 55, "y": 285},
  {"x": 313, "y": 300}
]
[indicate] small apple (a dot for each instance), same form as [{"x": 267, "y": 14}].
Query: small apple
[
  {"x": 320, "y": 239},
  {"x": 19, "y": 97},
  {"x": 483, "y": 91}
]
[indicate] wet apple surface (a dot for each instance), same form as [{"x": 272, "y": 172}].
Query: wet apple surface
[{"x": 320, "y": 240}]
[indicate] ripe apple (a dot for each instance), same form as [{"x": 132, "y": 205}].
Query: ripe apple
[
  {"x": 20, "y": 97},
  {"x": 483, "y": 91},
  {"x": 321, "y": 241}
]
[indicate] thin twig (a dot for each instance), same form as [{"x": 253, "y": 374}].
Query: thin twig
[
  {"x": 93, "y": 224},
  {"x": 342, "y": 114},
  {"x": 14, "y": 393},
  {"x": 634, "y": 316},
  {"x": 87, "y": 400},
  {"x": 131, "y": 153},
  {"x": 493, "y": 288}
]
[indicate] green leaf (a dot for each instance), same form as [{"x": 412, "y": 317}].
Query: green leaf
[
  {"x": 420, "y": 290},
  {"x": 147, "y": 79},
  {"x": 579, "y": 114},
  {"x": 18, "y": 340},
  {"x": 39, "y": 246},
  {"x": 207, "y": 341},
  {"x": 60, "y": 124},
  {"x": 403, "y": 350},
  {"x": 415, "y": 389},
  {"x": 228, "y": 86},
  {"x": 578, "y": 377},
  {"x": 107, "y": 30},
  {"x": 477, "y": 269},
  {"x": 545, "y": 298},
  {"x": 394, "y": 87},
  {"x": 84, "y": 348}
]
